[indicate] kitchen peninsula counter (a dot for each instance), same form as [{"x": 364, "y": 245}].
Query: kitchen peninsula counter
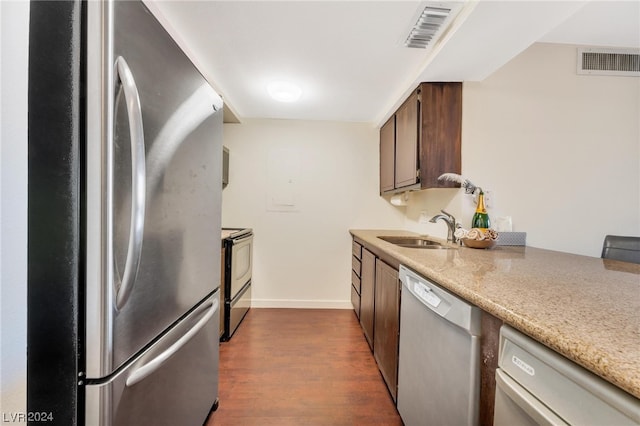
[{"x": 585, "y": 308}]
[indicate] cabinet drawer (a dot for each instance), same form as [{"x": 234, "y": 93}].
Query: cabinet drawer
[
  {"x": 355, "y": 301},
  {"x": 356, "y": 250},
  {"x": 355, "y": 281},
  {"x": 355, "y": 265}
]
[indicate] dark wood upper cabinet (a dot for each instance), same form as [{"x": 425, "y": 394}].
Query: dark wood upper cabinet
[
  {"x": 440, "y": 150},
  {"x": 427, "y": 139},
  {"x": 406, "y": 155},
  {"x": 387, "y": 155}
]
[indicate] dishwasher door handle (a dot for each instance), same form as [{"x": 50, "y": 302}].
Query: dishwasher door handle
[
  {"x": 451, "y": 308},
  {"x": 426, "y": 294}
]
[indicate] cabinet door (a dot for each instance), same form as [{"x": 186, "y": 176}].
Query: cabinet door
[
  {"x": 356, "y": 250},
  {"x": 406, "y": 161},
  {"x": 367, "y": 294},
  {"x": 387, "y": 155},
  {"x": 440, "y": 145},
  {"x": 387, "y": 324},
  {"x": 355, "y": 301}
]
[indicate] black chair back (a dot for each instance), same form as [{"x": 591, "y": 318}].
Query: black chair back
[{"x": 622, "y": 248}]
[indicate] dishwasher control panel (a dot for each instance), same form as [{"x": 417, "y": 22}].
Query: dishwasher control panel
[
  {"x": 445, "y": 304},
  {"x": 425, "y": 293}
]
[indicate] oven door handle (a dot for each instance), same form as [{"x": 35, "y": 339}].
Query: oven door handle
[{"x": 241, "y": 239}]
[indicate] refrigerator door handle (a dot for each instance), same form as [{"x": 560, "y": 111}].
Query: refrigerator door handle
[
  {"x": 140, "y": 373},
  {"x": 138, "y": 182}
]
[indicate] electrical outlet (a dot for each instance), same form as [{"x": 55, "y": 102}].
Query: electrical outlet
[
  {"x": 488, "y": 199},
  {"x": 424, "y": 217}
]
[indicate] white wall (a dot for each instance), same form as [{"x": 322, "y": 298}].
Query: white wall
[
  {"x": 560, "y": 151},
  {"x": 14, "y": 42},
  {"x": 302, "y": 256}
]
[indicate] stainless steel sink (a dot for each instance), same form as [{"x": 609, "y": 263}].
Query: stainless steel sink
[{"x": 415, "y": 242}]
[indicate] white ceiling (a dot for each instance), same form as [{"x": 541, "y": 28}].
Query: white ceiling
[{"x": 348, "y": 56}]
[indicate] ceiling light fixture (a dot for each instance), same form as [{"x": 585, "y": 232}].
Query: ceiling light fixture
[{"x": 284, "y": 91}]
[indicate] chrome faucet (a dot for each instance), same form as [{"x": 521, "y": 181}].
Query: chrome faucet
[{"x": 451, "y": 225}]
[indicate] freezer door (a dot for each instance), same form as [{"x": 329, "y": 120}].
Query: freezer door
[
  {"x": 154, "y": 184},
  {"x": 174, "y": 382}
]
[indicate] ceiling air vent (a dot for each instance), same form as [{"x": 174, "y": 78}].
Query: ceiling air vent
[
  {"x": 604, "y": 61},
  {"x": 429, "y": 24}
]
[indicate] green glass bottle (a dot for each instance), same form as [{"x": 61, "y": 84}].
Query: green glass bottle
[{"x": 480, "y": 217}]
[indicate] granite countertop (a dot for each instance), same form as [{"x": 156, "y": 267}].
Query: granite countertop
[{"x": 585, "y": 308}]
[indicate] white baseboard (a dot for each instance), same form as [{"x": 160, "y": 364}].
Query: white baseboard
[{"x": 301, "y": 304}]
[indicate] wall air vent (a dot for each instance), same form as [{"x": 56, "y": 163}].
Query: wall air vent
[
  {"x": 605, "y": 61},
  {"x": 434, "y": 18}
]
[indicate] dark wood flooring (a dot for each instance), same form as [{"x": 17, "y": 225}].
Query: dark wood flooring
[{"x": 301, "y": 367}]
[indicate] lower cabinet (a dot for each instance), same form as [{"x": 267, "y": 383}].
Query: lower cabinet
[
  {"x": 379, "y": 306},
  {"x": 356, "y": 255},
  {"x": 387, "y": 324},
  {"x": 367, "y": 294},
  {"x": 355, "y": 301}
]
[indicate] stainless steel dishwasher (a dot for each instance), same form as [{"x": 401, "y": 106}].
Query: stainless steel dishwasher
[
  {"x": 439, "y": 358},
  {"x": 537, "y": 386}
]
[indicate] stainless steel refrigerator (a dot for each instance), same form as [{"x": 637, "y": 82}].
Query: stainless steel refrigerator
[{"x": 148, "y": 176}]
